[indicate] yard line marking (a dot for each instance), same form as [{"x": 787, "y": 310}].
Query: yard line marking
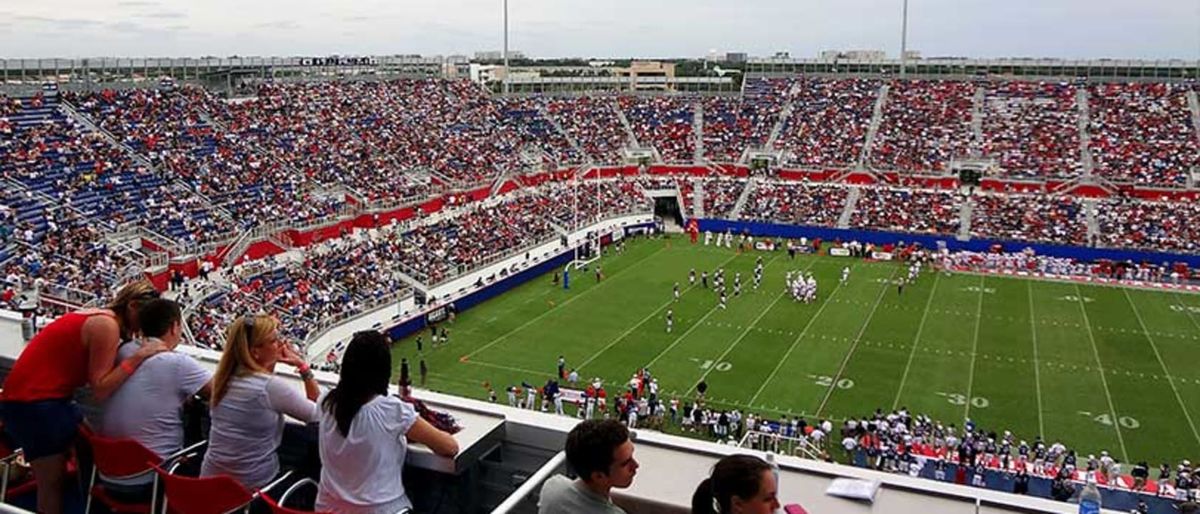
[
  {"x": 850, "y": 353},
  {"x": 1037, "y": 372},
  {"x": 742, "y": 336},
  {"x": 647, "y": 318},
  {"x": 974, "y": 349},
  {"x": 917, "y": 340},
  {"x": 787, "y": 354},
  {"x": 1096, "y": 350},
  {"x": 514, "y": 369},
  {"x": 693, "y": 327},
  {"x": 535, "y": 319},
  {"x": 1162, "y": 363}
]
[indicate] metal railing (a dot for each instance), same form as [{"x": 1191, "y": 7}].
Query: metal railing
[
  {"x": 523, "y": 493},
  {"x": 327, "y": 324},
  {"x": 771, "y": 441}
]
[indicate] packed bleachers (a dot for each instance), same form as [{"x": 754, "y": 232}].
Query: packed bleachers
[
  {"x": 1052, "y": 219},
  {"x": 925, "y": 124},
  {"x": 1130, "y": 223},
  {"x": 592, "y": 121},
  {"x": 1142, "y": 132},
  {"x": 1032, "y": 129},
  {"x": 594, "y": 200},
  {"x": 664, "y": 122},
  {"x": 907, "y": 210},
  {"x": 455, "y": 245},
  {"x": 51, "y": 154},
  {"x": 526, "y": 117},
  {"x": 796, "y": 203},
  {"x": 721, "y": 196},
  {"x": 323, "y": 130},
  {"x": 829, "y": 121},
  {"x": 170, "y": 129},
  {"x": 732, "y": 125}
]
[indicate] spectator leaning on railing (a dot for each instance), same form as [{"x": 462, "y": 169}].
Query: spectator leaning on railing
[
  {"x": 76, "y": 350},
  {"x": 364, "y": 434}
]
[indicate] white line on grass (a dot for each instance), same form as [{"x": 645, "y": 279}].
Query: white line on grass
[
  {"x": 739, "y": 339},
  {"x": 1037, "y": 372},
  {"x": 697, "y": 325},
  {"x": 857, "y": 338},
  {"x": 535, "y": 319},
  {"x": 917, "y": 340},
  {"x": 796, "y": 342},
  {"x": 644, "y": 320},
  {"x": 1096, "y": 350},
  {"x": 974, "y": 350},
  {"x": 1187, "y": 311},
  {"x": 513, "y": 369},
  {"x": 1166, "y": 372}
]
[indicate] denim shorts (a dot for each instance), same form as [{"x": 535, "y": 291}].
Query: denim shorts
[{"x": 42, "y": 428}]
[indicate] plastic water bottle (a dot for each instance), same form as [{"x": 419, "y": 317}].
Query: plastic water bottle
[
  {"x": 1089, "y": 498},
  {"x": 774, "y": 468}
]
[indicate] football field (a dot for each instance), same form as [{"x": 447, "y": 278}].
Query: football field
[{"x": 1096, "y": 367}]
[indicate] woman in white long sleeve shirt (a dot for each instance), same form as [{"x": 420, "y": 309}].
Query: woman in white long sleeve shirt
[
  {"x": 364, "y": 434},
  {"x": 249, "y": 402}
]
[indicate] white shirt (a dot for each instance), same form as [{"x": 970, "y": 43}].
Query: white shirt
[
  {"x": 360, "y": 474},
  {"x": 247, "y": 428},
  {"x": 147, "y": 406}
]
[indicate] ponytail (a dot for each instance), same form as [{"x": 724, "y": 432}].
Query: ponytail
[{"x": 703, "y": 500}]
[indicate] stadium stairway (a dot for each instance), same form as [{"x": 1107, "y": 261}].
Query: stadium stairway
[
  {"x": 1194, "y": 105},
  {"x": 625, "y": 123},
  {"x": 876, "y": 118},
  {"x": 698, "y": 131},
  {"x": 964, "y": 218},
  {"x": 698, "y": 199},
  {"x": 558, "y": 128},
  {"x": 741, "y": 201},
  {"x": 977, "y": 123},
  {"x": 778, "y": 128},
  {"x": 1089, "y": 215},
  {"x": 1085, "y": 135},
  {"x": 848, "y": 209}
]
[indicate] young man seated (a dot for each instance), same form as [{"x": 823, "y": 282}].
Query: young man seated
[{"x": 601, "y": 454}]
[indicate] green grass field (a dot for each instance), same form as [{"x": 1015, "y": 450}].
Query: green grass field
[{"x": 1096, "y": 367}]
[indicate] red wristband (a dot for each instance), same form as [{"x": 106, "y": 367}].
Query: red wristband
[
  {"x": 127, "y": 367},
  {"x": 303, "y": 368}
]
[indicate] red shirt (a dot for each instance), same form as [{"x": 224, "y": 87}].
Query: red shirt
[{"x": 53, "y": 365}]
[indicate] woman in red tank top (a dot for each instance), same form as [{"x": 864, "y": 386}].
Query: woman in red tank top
[{"x": 76, "y": 350}]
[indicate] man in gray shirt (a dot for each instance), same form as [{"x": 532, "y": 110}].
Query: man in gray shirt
[
  {"x": 601, "y": 453},
  {"x": 147, "y": 407}
]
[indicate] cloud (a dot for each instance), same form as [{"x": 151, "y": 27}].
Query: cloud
[
  {"x": 277, "y": 25},
  {"x": 163, "y": 15},
  {"x": 60, "y": 23},
  {"x": 136, "y": 3}
]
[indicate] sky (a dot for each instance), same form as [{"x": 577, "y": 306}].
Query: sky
[{"x": 1119, "y": 29}]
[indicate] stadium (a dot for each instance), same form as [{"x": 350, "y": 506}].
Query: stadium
[{"x": 968, "y": 283}]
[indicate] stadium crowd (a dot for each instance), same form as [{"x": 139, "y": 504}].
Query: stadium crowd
[
  {"x": 1048, "y": 218},
  {"x": 1031, "y": 129},
  {"x": 1142, "y": 132},
  {"x": 925, "y": 124},
  {"x": 795, "y": 203},
  {"x": 829, "y": 121},
  {"x": 664, "y": 122},
  {"x": 908, "y": 210},
  {"x": 733, "y": 125}
]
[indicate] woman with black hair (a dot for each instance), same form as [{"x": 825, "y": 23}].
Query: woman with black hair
[
  {"x": 364, "y": 434},
  {"x": 740, "y": 484}
]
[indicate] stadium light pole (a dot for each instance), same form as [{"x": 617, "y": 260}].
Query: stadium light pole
[
  {"x": 505, "y": 47},
  {"x": 903, "y": 40}
]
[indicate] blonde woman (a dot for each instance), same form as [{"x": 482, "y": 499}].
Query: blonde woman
[
  {"x": 249, "y": 402},
  {"x": 78, "y": 349}
]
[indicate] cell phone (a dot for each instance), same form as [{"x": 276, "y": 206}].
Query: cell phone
[{"x": 794, "y": 509}]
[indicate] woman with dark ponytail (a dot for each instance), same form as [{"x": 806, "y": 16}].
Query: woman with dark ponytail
[
  {"x": 364, "y": 434},
  {"x": 740, "y": 484}
]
